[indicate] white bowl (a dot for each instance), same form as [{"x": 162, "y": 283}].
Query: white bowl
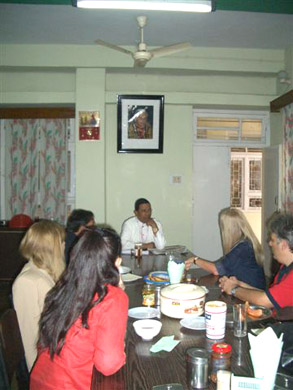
[{"x": 147, "y": 329}]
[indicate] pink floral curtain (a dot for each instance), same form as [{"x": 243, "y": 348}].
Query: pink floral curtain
[
  {"x": 36, "y": 166},
  {"x": 287, "y": 185}
]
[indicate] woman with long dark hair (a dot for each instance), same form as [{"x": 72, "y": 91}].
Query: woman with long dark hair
[{"x": 84, "y": 319}]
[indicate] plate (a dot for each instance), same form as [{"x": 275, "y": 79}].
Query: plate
[
  {"x": 124, "y": 270},
  {"x": 267, "y": 313},
  {"x": 142, "y": 312},
  {"x": 155, "y": 251},
  {"x": 174, "y": 248},
  {"x": 159, "y": 274},
  {"x": 195, "y": 323},
  {"x": 130, "y": 278}
]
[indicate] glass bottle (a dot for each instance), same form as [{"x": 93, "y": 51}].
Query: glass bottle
[
  {"x": 220, "y": 359},
  {"x": 148, "y": 295}
]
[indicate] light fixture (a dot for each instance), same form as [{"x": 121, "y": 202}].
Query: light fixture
[
  {"x": 149, "y": 5},
  {"x": 283, "y": 77}
]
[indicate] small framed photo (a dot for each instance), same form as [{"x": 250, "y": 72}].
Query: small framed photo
[
  {"x": 140, "y": 123},
  {"x": 89, "y": 125}
]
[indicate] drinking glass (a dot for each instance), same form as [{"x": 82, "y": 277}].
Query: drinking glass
[{"x": 239, "y": 320}]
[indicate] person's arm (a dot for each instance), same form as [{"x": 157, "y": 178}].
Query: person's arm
[
  {"x": 109, "y": 355},
  {"x": 204, "y": 264},
  {"x": 250, "y": 294},
  {"x": 159, "y": 239},
  {"x": 28, "y": 302},
  {"x": 239, "y": 282},
  {"x": 148, "y": 245},
  {"x": 127, "y": 239}
]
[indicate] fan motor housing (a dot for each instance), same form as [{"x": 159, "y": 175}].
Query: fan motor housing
[{"x": 142, "y": 56}]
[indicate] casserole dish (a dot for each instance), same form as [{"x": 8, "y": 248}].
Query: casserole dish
[{"x": 182, "y": 300}]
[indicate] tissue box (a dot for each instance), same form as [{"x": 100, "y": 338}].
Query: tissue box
[{"x": 243, "y": 382}]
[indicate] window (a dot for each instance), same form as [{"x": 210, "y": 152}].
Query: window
[
  {"x": 246, "y": 174},
  {"x": 231, "y": 127},
  {"x": 37, "y": 167}
]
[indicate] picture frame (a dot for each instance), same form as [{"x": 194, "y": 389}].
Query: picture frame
[
  {"x": 89, "y": 125},
  {"x": 140, "y": 123}
]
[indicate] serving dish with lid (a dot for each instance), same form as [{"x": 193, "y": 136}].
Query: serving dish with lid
[{"x": 182, "y": 300}]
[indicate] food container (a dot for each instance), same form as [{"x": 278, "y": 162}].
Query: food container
[
  {"x": 220, "y": 359},
  {"x": 197, "y": 367},
  {"x": 182, "y": 300},
  {"x": 148, "y": 295}
]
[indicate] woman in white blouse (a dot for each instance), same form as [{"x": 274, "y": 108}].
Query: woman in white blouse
[{"x": 43, "y": 247}]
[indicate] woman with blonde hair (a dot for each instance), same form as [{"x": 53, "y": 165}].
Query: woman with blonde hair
[
  {"x": 243, "y": 254},
  {"x": 43, "y": 247}
]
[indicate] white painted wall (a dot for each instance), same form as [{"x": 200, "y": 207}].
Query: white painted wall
[
  {"x": 132, "y": 176},
  {"x": 107, "y": 182},
  {"x": 90, "y": 155},
  {"x": 254, "y": 219}
]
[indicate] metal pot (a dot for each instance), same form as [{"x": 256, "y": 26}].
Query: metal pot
[{"x": 182, "y": 300}]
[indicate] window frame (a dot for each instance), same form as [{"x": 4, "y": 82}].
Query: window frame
[
  {"x": 247, "y": 193},
  {"x": 264, "y": 116}
]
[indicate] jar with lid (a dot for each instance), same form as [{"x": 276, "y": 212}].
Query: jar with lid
[
  {"x": 148, "y": 295},
  {"x": 197, "y": 368},
  {"x": 220, "y": 359},
  {"x": 158, "y": 296},
  {"x": 188, "y": 278}
]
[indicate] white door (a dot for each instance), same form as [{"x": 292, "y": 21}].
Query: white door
[
  {"x": 211, "y": 193},
  {"x": 270, "y": 195}
]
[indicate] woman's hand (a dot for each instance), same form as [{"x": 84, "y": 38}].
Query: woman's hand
[{"x": 226, "y": 284}]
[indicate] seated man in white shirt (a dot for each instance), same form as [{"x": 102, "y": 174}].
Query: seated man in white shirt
[{"x": 142, "y": 228}]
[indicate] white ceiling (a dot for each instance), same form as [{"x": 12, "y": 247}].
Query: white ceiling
[{"x": 51, "y": 24}]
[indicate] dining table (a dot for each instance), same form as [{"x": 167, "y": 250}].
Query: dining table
[{"x": 144, "y": 369}]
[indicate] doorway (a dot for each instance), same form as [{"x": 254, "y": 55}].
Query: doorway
[{"x": 223, "y": 176}]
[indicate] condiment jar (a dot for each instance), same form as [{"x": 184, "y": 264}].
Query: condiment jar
[
  {"x": 138, "y": 250},
  {"x": 220, "y": 359},
  {"x": 158, "y": 296},
  {"x": 148, "y": 295},
  {"x": 188, "y": 278},
  {"x": 223, "y": 380},
  {"x": 197, "y": 368}
]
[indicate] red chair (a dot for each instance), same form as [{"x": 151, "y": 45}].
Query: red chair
[{"x": 20, "y": 221}]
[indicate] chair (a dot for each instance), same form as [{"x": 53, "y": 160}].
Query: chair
[{"x": 12, "y": 358}]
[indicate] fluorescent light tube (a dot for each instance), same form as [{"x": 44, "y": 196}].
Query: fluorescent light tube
[{"x": 149, "y": 5}]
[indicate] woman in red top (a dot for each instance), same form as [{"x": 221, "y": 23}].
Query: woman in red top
[{"x": 84, "y": 319}]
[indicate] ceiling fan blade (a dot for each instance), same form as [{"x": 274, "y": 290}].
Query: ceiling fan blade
[
  {"x": 166, "y": 50},
  {"x": 114, "y": 47}
]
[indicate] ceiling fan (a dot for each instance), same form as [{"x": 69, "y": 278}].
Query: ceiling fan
[{"x": 142, "y": 55}]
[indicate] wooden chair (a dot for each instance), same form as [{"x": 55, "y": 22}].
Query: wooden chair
[{"x": 12, "y": 358}]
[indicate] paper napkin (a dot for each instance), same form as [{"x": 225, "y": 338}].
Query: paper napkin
[
  {"x": 265, "y": 353},
  {"x": 130, "y": 277},
  {"x": 166, "y": 343}
]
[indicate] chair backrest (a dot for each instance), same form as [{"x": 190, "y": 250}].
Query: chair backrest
[{"x": 12, "y": 348}]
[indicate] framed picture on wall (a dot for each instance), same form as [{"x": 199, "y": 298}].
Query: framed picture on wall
[
  {"x": 89, "y": 125},
  {"x": 140, "y": 123}
]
